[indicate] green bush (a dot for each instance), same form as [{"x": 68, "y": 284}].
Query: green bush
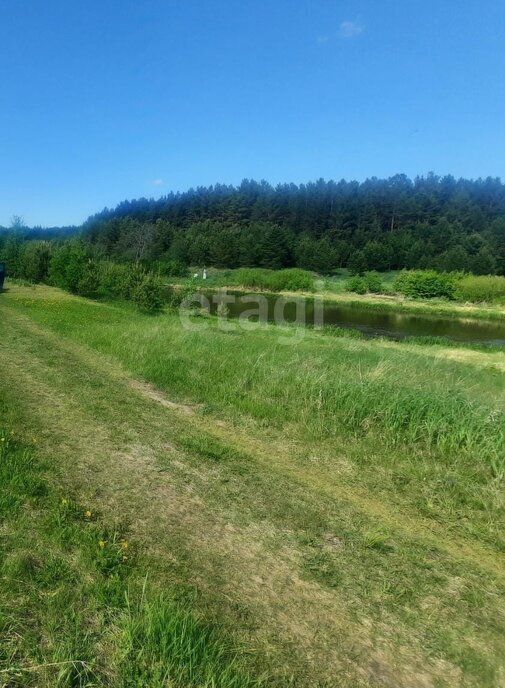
[
  {"x": 148, "y": 295},
  {"x": 174, "y": 296},
  {"x": 72, "y": 268},
  {"x": 291, "y": 279},
  {"x": 120, "y": 280},
  {"x": 357, "y": 285},
  {"x": 170, "y": 268},
  {"x": 373, "y": 282},
  {"x": 34, "y": 259},
  {"x": 489, "y": 288},
  {"x": 87, "y": 281},
  {"x": 10, "y": 252},
  {"x": 357, "y": 263},
  {"x": 427, "y": 284},
  {"x": 369, "y": 282},
  {"x": 255, "y": 278}
]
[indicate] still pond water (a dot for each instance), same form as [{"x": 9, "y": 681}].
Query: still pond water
[{"x": 370, "y": 323}]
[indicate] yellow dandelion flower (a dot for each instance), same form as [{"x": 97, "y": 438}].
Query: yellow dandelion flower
[
  {"x": 88, "y": 514},
  {"x": 102, "y": 544}
]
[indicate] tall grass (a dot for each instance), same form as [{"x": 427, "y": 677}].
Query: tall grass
[
  {"x": 486, "y": 288},
  {"x": 324, "y": 386},
  {"x": 163, "y": 645},
  {"x": 290, "y": 279},
  {"x": 431, "y": 415},
  {"x": 323, "y": 382}
]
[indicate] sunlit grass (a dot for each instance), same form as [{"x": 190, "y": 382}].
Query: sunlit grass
[
  {"x": 73, "y": 611},
  {"x": 374, "y": 468},
  {"x": 441, "y": 423}
]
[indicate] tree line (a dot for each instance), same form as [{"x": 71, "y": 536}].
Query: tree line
[
  {"x": 429, "y": 222},
  {"x": 380, "y": 224},
  {"x": 73, "y": 266}
]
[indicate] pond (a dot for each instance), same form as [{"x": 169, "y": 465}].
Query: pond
[{"x": 274, "y": 308}]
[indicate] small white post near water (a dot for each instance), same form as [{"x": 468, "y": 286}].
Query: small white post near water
[{"x": 204, "y": 276}]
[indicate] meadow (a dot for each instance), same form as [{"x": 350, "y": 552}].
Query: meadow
[{"x": 325, "y": 513}]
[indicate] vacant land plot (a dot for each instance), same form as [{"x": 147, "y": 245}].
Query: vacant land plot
[{"x": 324, "y": 514}]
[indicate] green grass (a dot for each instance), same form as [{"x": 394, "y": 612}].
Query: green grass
[
  {"x": 445, "y": 429},
  {"x": 163, "y": 645},
  {"x": 73, "y": 611},
  {"x": 390, "y": 302},
  {"x": 337, "y": 504},
  {"x": 337, "y": 283}
]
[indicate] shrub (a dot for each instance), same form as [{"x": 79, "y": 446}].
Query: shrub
[
  {"x": 87, "y": 281},
  {"x": 373, "y": 282},
  {"x": 427, "y": 284},
  {"x": 483, "y": 288},
  {"x": 290, "y": 279},
  {"x": 72, "y": 268},
  {"x": 120, "y": 280},
  {"x": 11, "y": 254},
  {"x": 255, "y": 278},
  {"x": 148, "y": 294},
  {"x": 174, "y": 296},
  {"x": 369, "y": 282},
  {"x": 357, "y": 285},
  {"x": 34, "y": 260},
  {"x": 357, "y": 263},
  {"x": 170, "y": 268}
]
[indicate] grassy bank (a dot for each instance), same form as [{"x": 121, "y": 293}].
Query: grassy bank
[
  {"x": 336, "y": 503},
  {"x": 333, "y": 289},
  {"x": 397, "y": 304}
]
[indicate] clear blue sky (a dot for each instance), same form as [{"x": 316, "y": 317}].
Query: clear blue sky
[{"x": 102, "y": 100}]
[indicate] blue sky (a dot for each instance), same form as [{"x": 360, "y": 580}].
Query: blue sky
[{"x": 113, "y": 99}]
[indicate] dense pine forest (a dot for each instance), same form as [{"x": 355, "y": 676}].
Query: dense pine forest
[
  {"x": 428, "y": 222},
  {"x": 436, "y": 222}
]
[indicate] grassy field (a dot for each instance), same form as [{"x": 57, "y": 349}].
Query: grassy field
[{"x": 215, "y": 508}]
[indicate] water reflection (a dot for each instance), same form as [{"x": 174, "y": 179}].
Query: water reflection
[{"x": 273, "y": 308}]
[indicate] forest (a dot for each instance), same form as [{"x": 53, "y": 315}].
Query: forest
[{"x": 429, "y": 222}]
